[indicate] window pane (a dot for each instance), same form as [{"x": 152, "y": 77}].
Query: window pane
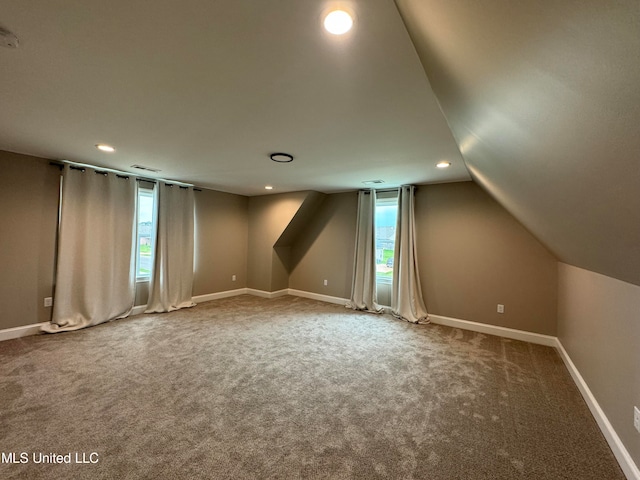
[
  {"x": 386, "y": 215},
  {"x": 145, "y": 233}
]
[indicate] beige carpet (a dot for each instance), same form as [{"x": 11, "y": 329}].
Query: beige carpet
[{"x": 248, "y": 388}]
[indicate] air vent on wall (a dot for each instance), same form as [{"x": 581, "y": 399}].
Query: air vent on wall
[
  {"x": 148, "y": 169},
  {"x": 373, "y": 182}
]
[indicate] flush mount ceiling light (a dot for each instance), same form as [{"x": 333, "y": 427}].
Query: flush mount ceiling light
[
  {"x": 8, "y": 39},
  {"x": 443, "y": 164},
  {"x": 338, "y": 22},
  {"x": 268, "y": 187},
  {"x": 105, "y": 148},
  {"x": 281, "y": 157}
]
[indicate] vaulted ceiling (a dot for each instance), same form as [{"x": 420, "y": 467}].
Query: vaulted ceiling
[
  {"x": 538, "y": 102},
  {"x": 543, "y": 99}
]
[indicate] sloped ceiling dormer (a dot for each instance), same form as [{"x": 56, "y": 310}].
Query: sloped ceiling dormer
[{"x": 543, "y": 99}]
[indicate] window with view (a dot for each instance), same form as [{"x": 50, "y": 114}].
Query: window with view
[
  {"x": 146, "y": 233},
  {"x": 385, "y": 231}
]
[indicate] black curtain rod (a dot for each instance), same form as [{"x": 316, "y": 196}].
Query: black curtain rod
[
  {"x": 369, "y": 190},
  {"x": 104, "y": 172}
]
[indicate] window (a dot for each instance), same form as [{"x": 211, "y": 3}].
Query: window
[
  {"x": 385, "y": 232},
  {"x": 146, "y": 233}
]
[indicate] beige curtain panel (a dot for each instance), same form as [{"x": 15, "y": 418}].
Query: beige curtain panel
[
  {"x": 406, "y": 294},
  {"x": 363, "y": 288},
  {"x": 95, "y": 280},
  {"x": 172, "y": 277}
]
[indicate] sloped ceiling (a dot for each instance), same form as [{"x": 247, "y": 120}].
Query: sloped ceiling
[{"x": 543, "y": 99}]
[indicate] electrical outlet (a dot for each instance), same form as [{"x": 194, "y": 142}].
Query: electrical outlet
[
  {"x": 233, "y": 278},
  {"x": 48, "y": 302},
  {"x": 636, "y": 418},
  {"x": 326, "y": 282},
  {"x": 500, "y": 308}
]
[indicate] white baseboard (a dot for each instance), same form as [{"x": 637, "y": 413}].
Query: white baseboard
[
  {"x": 23, "y": 331},
  {"x": 627, "y": 464},
  {"x": 318, "y": 296},
  {"x": 264, "y": 294},
  {"x": 505, "y": 332},
  {"x": 218, "y": 295},
  {"x": 138, "y": 310}
]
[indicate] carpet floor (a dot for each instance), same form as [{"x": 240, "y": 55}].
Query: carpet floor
[{"x": 249, "y": 388}]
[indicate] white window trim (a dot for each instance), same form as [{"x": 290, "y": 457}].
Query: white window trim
[
  {"x": 147, "y": 191},
  {"x": 386, "y": 198}
]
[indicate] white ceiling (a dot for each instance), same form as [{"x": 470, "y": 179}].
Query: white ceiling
[
  {"x": 204, "y": 90},
  {"x": 543, "y": 98}
]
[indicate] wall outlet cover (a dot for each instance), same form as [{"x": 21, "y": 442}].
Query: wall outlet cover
[
  {"x": 636, "y": 418},
  {"x": 48, "y": 302}
]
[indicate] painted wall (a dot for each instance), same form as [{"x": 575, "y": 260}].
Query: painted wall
[
  {"x": 220, "y": 251},
  {"x": 29, "y": 189},
  {"x": 472, "y": 253},
  {"x": 325, "y": 249},
  {"x": 221, "y": 241},
  {"x": 269, "y": 216},
  {"x": 599, "y": 327}
]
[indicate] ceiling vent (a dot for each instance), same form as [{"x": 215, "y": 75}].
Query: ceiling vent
[
  {"x": 373, "y": 182},
  {"x": 147, "y": 169}
]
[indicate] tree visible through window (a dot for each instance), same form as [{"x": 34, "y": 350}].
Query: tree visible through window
[
  {"x": 385, "y": 231},
  {"x": 146, "y": 230}
]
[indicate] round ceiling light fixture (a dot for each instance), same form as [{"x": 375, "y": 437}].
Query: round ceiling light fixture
[
  {"x": 338, "y": 22},
  {"x": 443, "y": 164},
  {"x": 105, "y": 148},
  {"x": 281, "y": 157}
]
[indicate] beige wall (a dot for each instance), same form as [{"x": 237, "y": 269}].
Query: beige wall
[
  {"x": 221, "y": 236},
  {"x": 473, "y": 255},
  {"x": 325, "y": 249},
  {"x": 29, "y": 190},
  {"x": 220, "y": 250},
  {"x": 269, "y": 216},
  {"x": 599, "y": 327}
]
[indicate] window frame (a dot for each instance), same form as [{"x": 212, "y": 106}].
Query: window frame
[
  {"x": 386, "y": 198},
  {"x": 145, "y": 191}
]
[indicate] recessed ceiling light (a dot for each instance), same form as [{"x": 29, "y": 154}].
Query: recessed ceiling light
[
  {"x": 338, "y": 22},
  {"x": 105, "y": 148},
  {"x": 281, "y": 157},
  {"x": 268, "y": 187},
  {"x": 443, "y": 164}
]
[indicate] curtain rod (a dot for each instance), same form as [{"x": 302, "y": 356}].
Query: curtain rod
[
  {"x": 83, "y": 167},
  {"x": 382, "y": 190}
]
